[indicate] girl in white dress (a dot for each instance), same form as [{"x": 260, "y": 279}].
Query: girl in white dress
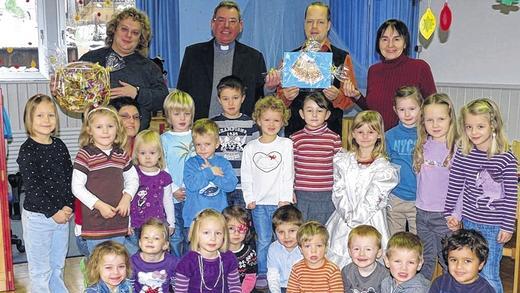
[{"x": 363, "y": 179}]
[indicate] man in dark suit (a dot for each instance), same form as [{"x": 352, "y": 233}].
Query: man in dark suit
[
  {"x": 204, "y": 64},
  {"x": 317, "y": 26}
]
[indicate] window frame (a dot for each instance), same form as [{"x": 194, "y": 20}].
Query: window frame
[{"x": 51, "y": 16}]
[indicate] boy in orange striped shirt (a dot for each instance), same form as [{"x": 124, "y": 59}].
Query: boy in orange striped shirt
[{"x": 314, "y": 273}]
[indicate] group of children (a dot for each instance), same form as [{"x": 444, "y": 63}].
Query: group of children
[{"x": 332, "y": 210}]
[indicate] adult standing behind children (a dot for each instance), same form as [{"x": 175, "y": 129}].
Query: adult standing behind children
[
  {"x": 132, "y": 74},
  {"x": 317, "y": 25},
  {"x": 395, "y": 70},
  {"x": 205, "y": 64},
  {"x": 235, "y": 129}
]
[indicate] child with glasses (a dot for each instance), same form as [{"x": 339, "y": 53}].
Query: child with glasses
[{"x": 239, "y": 227}]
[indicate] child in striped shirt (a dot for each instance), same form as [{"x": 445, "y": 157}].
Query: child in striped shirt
[
  {"x": 483, "y": 172},
  {"x": 314, "y": 147},
  {"x": 314, "y": 273}
]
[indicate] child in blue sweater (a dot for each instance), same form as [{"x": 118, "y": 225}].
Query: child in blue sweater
[
  {"x": 400, "y": 145},
  {"x": 207, "y": 177}
]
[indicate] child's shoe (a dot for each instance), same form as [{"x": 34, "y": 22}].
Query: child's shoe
[{"x": 261, "y": 282}]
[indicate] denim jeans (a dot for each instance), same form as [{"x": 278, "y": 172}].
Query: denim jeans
[
  {"x": 262, "y": 220},
  {"x": 46, "y": 244},
  {"x": 132, "y": 241},
  {"x": 491, "y": 270},
  {"x": 82, "y": 246},
  {"x": 91, "y": 243},
  {"x": 179, "y": 239},
  {"x": 432, "y": 228}
]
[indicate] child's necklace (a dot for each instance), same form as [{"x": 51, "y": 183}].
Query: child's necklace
[{"x": 219, "y": 277}]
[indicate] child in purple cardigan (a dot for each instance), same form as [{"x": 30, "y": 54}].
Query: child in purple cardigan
[{"x": 209, "y": 266}]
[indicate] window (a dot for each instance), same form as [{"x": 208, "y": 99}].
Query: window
[
  {"x": 33, "y": 31},
  {"x": 86, "y": 23},
  {"x": 19, "y": 37}
]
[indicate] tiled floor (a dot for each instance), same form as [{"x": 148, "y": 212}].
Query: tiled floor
[{"x": 74, "y": 279}]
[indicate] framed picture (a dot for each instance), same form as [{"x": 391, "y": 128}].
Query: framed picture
[{"x": 307, "y": 69}]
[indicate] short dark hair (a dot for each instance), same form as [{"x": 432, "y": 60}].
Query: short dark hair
[
  {"x": 287, "y": 214},
  {"x": 320, "y": 4},
  {"x": 318, "y": 98},
  {"x": 232, "y": 82},
  {"x": 469, "y": 238},
  {"x": 121, "y": 102},
  {"x": 243, "y": 216},
  {"x": 228, "y": 5},
  {"x": 400, "y": 27}
]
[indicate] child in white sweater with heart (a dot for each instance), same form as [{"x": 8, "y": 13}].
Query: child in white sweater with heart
[{"x": 267, "y": 174}]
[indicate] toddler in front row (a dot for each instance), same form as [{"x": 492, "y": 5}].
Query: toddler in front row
[
  {"x": 153, "y": 268},
  {"x": 365, "y": 273},
  {"x": 238, "y": 221},
  {"x": 466, "y": 252},
  {"x": 209, "y": 266},
  {"x": 315, "y": 273},
  {"x": 404, "y": 258},
  {"x": 108, "y": 269},
  {"x": 284, "y": 252}
]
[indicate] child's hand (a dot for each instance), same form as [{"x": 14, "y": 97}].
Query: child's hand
[
  {"x": 453, "y": 223},
  {"x": 251, "y": 205},
  {"x": 130, "y": 231},
  {"x": 294, "y": 200},
  {"x": 283, "y": 203},
  {"x": 68, "y": 212},
  {"x": 171, "y": 230},
  {"x": 180, "y": 194},
  {"x": 123, "y": 208},
  {"x": 106, "y": 210},
  {"x": 60, "y": 217},
  {"x": 503, "y": 236},
  {"x": 217, "y": 171}
]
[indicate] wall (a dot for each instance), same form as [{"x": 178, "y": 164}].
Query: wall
[{"x": 478, "y": 56}]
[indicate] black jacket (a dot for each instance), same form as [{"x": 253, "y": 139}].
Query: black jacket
[{"x": 196, "y": 75}]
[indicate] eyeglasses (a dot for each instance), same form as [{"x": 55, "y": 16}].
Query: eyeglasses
[
  {"x": 223, "y": 21},
  {"x": 242, "y": 229},
  {"x": 127, "y": 117}
]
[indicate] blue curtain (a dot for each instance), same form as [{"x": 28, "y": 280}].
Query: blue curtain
[
  {"x": 356, "y": 22},
  {"x": 273, "y": 26},
  {"x": 164, "y": 21}
]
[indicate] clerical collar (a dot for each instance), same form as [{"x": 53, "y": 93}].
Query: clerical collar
[{"x": 224, "y": 48}]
